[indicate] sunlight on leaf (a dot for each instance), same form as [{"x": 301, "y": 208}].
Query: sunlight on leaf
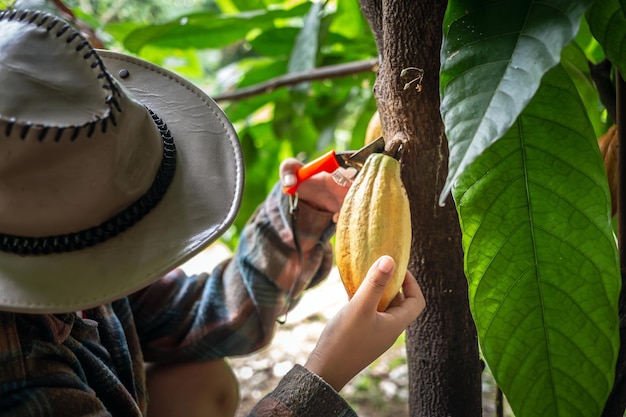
[
  {"x": 541, "y": 258},
  {"x": 208, "y": 29},
  {"x": 345, "y": 22},
  {"x": 493, "y": 56}
]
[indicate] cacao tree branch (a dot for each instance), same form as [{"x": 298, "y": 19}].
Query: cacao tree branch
[{"x": 327, "y": 72}]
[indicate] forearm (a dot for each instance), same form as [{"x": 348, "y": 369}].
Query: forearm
[
  {"x": 233, "y": 310},
  {"x": 270, "y": 268}
]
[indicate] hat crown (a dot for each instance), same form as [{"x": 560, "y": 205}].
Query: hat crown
[
  {"x": 76, "y": 149},
  {"x": 49, "y": 74}
]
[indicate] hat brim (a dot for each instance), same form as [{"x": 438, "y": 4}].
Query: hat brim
[{"x": 199, "y": 205}]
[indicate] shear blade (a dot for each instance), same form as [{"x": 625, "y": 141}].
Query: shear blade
[{"x": 358, "y": 158}]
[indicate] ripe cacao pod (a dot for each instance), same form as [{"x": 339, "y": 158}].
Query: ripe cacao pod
[
  {"x": 609, "y": 147},
  {"x": 374, "y": 220}
]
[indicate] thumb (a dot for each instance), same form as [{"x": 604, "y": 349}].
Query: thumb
[{"x": 371, "y": 289}]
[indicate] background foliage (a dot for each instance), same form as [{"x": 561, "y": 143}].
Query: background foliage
[{"x": 522, "y": 115}]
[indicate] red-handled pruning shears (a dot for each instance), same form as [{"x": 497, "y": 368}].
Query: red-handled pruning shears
[{"x": 331, "y": 161}]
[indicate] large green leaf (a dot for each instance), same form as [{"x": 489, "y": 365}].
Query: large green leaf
[
  {"x": 493, "y": 56},
  {"x": 575, "y": 63},
  {"x": 608, "y": 25},
  {"x": 541, "y": 258}
]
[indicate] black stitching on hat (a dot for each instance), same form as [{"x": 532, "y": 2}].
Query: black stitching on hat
[
  {"x": 82, "y": 45},
  {"x": 39, "y": 18},
  {"x": 75, "y": 133},
  {"x": 22, "y": 245},
  {"x": 72, "y": 36},
  {"x": 34, "y": 17},
  {"x": 52, "y": 25},
  {"x": 90, "y": 129},
  {"x": 9, "y": 127},
  {"x": 114, "y": 102},
  {"x": 43, "y": 133},
  {"x": 25, "y": 130},
  {"x": 112, "y": 119},
  {"x": 60, "y": 131},
  {"x": 63, "y": 29}
]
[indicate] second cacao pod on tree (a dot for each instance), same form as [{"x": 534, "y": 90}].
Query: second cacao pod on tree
[
  {"x": 610, "y": 154},
  {"x": 375, "y": 220}
]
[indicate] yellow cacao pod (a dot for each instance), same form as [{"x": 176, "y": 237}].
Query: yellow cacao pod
[
  {"x": 374, "y": 220},
  {"x": 374, "y": 129}
]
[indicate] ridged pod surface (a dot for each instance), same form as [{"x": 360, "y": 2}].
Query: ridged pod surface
[{"x": 375, "y": 220}]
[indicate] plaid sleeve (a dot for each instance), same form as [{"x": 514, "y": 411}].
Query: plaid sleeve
[
  {"x": 301, "y": 393},
  {"x": 46, "y": 370},
  {"x": 233, "y": 309}
]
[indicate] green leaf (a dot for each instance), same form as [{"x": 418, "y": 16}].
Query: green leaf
[
  {"x": 575, "y": 63},
  {"x": 347, "y": 22},
  {"x": 304, "y": 53},
  {"x": 541, "y": 258},
  {"x": 589, "y": 44},
  {"x": 184, "y": 62},
  {"x": 207, "y": 30},
  {"x": 493, "y": 56},
  {"x": 608, "y": 25},
  {"x": 275, "y": 42},
  {"x": 305, "y": 49}
]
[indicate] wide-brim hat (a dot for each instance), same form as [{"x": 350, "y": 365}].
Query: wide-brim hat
[{"x": 113, "y": 171}]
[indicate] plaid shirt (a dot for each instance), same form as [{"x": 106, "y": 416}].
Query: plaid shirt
[{"x": 61, "y": 364}]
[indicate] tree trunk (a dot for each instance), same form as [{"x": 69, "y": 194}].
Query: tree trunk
[
  {"x": 444, "y": 365},
  {"x": 616, "y": 403}
]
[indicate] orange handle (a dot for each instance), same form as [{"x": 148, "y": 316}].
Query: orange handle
[{"x": 325, "y": 163}]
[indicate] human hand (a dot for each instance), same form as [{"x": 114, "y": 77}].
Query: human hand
[
  {"x": 320, "y": 191},
  {"x": 358, "y": 334}
]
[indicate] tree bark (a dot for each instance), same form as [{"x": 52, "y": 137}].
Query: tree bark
[
  {"x": 616, "y": 403},
  {"x": 444, "y": 365}
]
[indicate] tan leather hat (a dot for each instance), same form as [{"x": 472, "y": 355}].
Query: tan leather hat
[{"x": 113, "y": 171}]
